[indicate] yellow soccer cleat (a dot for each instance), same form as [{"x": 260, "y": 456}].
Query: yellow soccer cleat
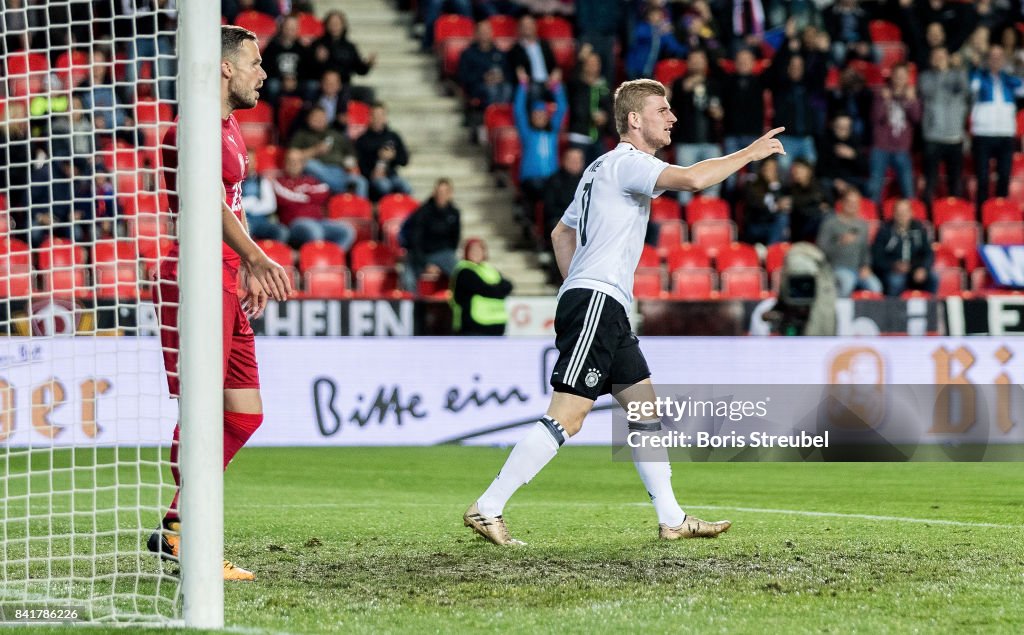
[
  {"x": 493, "y": 528},
  {"x": 237, "y": 574},
  {"x": 693, "y": 528}
]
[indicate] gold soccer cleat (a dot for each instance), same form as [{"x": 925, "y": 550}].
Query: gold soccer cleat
[
  {"x": 237, "y": 574},
  {"x": 693, "y": 528},
  {"x": 492, "y": 528}
]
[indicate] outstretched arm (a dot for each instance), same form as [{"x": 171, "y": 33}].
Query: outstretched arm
[{"x": 703, "y": 175}]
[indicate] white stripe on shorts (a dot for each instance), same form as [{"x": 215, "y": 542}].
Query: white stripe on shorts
[{"x": 582, "y": 349}]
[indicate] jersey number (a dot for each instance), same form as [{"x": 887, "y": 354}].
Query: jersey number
[{"x": 586, "y": 212}]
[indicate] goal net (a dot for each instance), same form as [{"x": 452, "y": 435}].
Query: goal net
[{"x": 87, "y": 90}]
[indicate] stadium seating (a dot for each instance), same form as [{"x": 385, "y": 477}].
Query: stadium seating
[
  {"x": 996, "y": 210},
  {"x": 355, "y": 210},
  {"x": 668, "y": 70},
  {"x": 647, "y": 284},
  {"x": 743, "y": 283},
  {"x": 263, "y": 25},
  {"x": 154, "y": 118},
  {"x": 358, "y": 115},
  {"x": 507, "y": 149},
  {"x": 552, "y": 27},
  {"x": 962, "y": 238},
  {"x": 279, "y": 253},
  {"x": 884, "y": 31},
  {"x": 951, "y": 281},
  {"x": 564, "y": 50},
  {"x": 377, "y": 282},
  {"x": 320, "y": 254},
  {"x": 775, "y": 257},
  {"x": 269, "y": 160},
  {"x": 505, "y": 30},
  {"x": 1006, "y": 233},
  {"x": 671, "y": 234},
  {"x": 665, "y": 208},
  {"x": 257, "y": 125},
  {"x": 310, "y": 28},
  {"x": 864, "y": 294},
  {"x": 649, "y": 258},
  {"x": 26, "y": 73},
  {"x": 393, "y": 206},
  {"x": 693, "y": 284},
  {"x": 951, "y": 208},
  {"x": 372, "y": 254},
  {"x": 15, "y": 269},
  {"x": 73, "y": 68},
  {"x": 688, "y": 256},
  {"x": 288, "y": 108},
  {"x": 944, "y": 256},
  {"x": 706, "y": 208},
  {"x": 62, "y": 268},
  {"x": 329, "y": 282},
  {"x": 713, "y": 235},
  {"x": 736, "y": 255}
]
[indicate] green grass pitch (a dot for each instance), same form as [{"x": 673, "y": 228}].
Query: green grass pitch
[{"x": 371, "y": 540}]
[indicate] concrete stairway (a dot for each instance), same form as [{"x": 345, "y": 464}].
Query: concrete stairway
[{"x": 431, "y": 125}]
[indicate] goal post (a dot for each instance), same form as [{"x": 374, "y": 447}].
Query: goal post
[
  {"x": 200, "y": 232},
  {"x": 87, "y": 91}
]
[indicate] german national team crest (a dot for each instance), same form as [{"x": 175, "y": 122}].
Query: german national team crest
[
  {"x": 593, "y": 376},
  {"x": 54, "y": 317}
]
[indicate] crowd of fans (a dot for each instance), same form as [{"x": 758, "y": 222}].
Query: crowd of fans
[{"x": 882, "y": 99}]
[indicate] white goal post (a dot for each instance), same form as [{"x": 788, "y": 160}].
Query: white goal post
[{"x": 87, "y": 90}]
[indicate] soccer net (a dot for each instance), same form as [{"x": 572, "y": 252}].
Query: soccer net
[{"x": 88, "y": 88}]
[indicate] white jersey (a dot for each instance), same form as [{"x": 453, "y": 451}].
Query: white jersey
[{"x": 609, "y": 213}]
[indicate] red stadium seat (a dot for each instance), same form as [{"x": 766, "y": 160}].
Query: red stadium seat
[
  {"x": 951, "y": 208},
  {"x": 994, "y": 210},
  {"x": 564, "y": 50},
  {"x": 1006, "y": 233},
  {"x": 918, "y": 209},
  {"x": 951, "y": 281},
  {"x": 396, "y": 206},
  {"x": 259, "y": 119},
  {"x": 864, "y": 294},
  {"x": 320, "y": 254},
  {"x": 706, "y": 208},
  {"x": 668, "y": 70},
  {"x": 671, "y": 234},
  {"x": 369, "y": 253},
  {"x": 649, "y": 258},
  {"x": 60, "y": 252},
  {"x": 263, "y": 25},
  {"x": 331, "y": 282},
  {"x": 73, "y": 68},
  {"x": 884, "y": 31},
  {"x": 26, "y": 73},
  {"x": 62, "y": 267},
  {"x": 1018, "y": 157},
  {"x": 505, "y": 30},
  {"x": 451, "y": 26},
  {"x": 890, "y": 54},
  {"x": 15, "y": 269},
  {"x": 451, "y": 53},
  {"x": 358, "y": 116},
  {"x": 962, "y": 238},
  {"x": 288, "y": 108},
  {"x": 269, "y": 160},
  {"x": 507, "y": 148},
  {"x": 737, "y": 255},
  {"x": 776, "y": 256},
  {"x": 714, "y": 235},
  {"x": 278, "y": 252},
  {"x": 743, "y": 283},
  {"x": 389, "y": 231},
  {"x": 499, "y": 116},
  {"x": 693, "y": 284},
  {"x": 116, "y": 263},
  {"x": 871, "y": 73},
  {"x": 310, "y": 28},
  {"x": 647, "y": 284},
  {"x": 377, "y": 282},
  {"x": 944, "y": 256},
  {"x": 981, "y": 280},
  {"x": 553, "y": 27},
  {"x": 665, "y": 208},
  {"x": 688, "y": 256},
  {"x": 355, "y": 210}
]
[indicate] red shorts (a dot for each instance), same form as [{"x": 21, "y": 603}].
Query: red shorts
[{"x": 240, "y": 369}]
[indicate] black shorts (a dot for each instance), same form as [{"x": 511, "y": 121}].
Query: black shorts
[{"x": 596, "y": 347}]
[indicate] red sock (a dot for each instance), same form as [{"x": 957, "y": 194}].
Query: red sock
[
  {"x": 172, "y": 512},
  {"x": 238, "y": 427}
]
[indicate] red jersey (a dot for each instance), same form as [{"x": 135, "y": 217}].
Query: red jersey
[{"x": 234, "y": 169}]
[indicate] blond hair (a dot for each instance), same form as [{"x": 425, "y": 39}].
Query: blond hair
[{"x": 630, "y": 97}]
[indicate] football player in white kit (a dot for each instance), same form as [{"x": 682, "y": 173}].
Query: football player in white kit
[{"x": 597, "y": 245}]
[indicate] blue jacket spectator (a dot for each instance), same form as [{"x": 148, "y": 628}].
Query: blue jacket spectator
[
  {"x": 538, "y": 132},
  {"x": 653, "y": 40},
  {"x": 994, "y": 121}
]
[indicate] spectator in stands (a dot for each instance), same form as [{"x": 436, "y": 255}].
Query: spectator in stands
[
  {"x": 95, "y": 205},
  {"x": 590, "y": 106},
  {"x": 744, "y": 23},
  {"x": 944, "y": 92},
  {"x": 15, "y": 26},
  {"x": 921, "y": 46},
  {"x": 854, "y": 99},
  {"x": 301, "y": 205},
  {"x": 560, "y": 189},
  {"x": 538, "y": 134},
  {"x": 696, "y": 100},
  {"x": 844, "y": 160},
  {"x": 767, "y": 206},
  {"x": 329, "y": 155},
  {"x": 697, "y": 30},
  {"x": 431, "y": 235},
  {"x": 793, "y": 93},
  {"x": 534, "y": 55},
  {"x": 895, "y": 112},
  {"x": 50, "y": 197},
  {"x": 478, "y": 293},
  {"x": 599, "y": 23},
  {"x": 83, "y": 136},
  {"x": 1011, "y": 41},
  {"x": 847, "y": 25},
  {"x": 231, "y": 8},
  {"x": 953, "y": 16},
  {"x": 260, "y": 205},
  {"x": 653, "y": 39},
  {"x": 482, "y": 72},
  {"x": 844, "y": 239},
  {"x": 335, "y": 51},
  {"x": 994, "y": 122},
  {"x": 381, "y": 152},
  {"x": 902, "y": 253},
  {"x": 974, "y": 52},
  {"x": 807, "y": 202},
  {"x": 742, "y": 107},
  {"x": 99, "y": 96},
  {"x": 431, "y": 10},
  {"x": 14, "y": 167},
  {"x": 333, "y": 97},
  {"x": 286, "y": 56}
]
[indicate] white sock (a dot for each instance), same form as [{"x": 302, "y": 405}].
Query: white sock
[
  {"x": 529, "y": 456},
  {"x": 656, "y": 473}
]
